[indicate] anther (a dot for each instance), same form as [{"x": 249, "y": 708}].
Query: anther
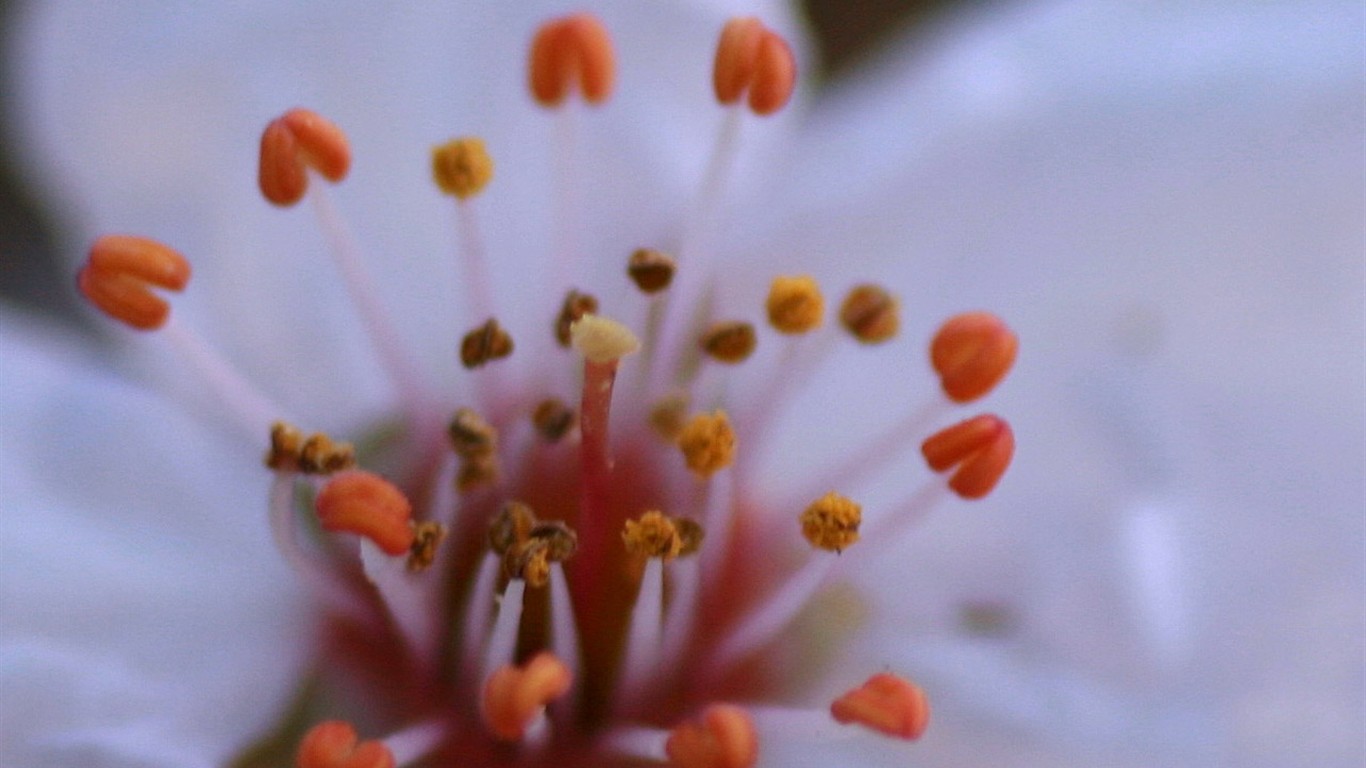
[
  {"x": 575, "y": 306},
  {"x": 751, "y": 57},
  {"x": 651, "y": 270},
  {"x": 795, "y": 304},
  {"x": 427, "y": 538},
  {"x": 286, "y": 441},
  {"x": 870, "y": 313},
  {"x": 887, "y": 704},
  {"x": 514, "y": 697},
  {"x": 485, "y": 343},
  {"x": 571, "y": 51},
  {"x": 366, "y": 504},
  {"x": 652, "y": 535},
  {"x": 470, "y": 435},
  {"x": 602, "y": 340},
  {"x": 320, "y": 455},
  {"x": 832, "y": 522},
  {"x": 333, "y": 744},
  {"x": 553, "y": 419},
  {"x": 723, "y": 737},
  {"x": 669, "y": 415},
  {"x": 561, "y": 541},
  {"x": 972, "y": 352},
  {"x": 462, "y": 167},
  {"x": 729, "y": 342},
  {"x": 291, "y": 144},
  {"x": 510, "y": 526},
  {"x": 980, "y": 447},
  {"x": 530, "y": 556},
  {"x": 118, "y": 272},
  {"x": 690, "y": 533},
  {"x": 476, "y": 472},
  {"x": 708, "y": 443}
]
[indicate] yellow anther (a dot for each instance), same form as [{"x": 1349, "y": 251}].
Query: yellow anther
[
  {"x": 651, "y": 270},
  {"x": 427, "y": 538},
  {"x": 652, "y": 535},
  {"x": 575, "y": 306},
  {"x": 729, "y": 342},
  {"x": 832, "y": 522},
  {"x": 708, "y": 443},
  {"x": 553, "y": 419},
  {"x": 602, "y": 340},
  {"x": 795, "y": 304},
  {"x": 871, "y": 314},
  {"x": 462, "y": 167},
  {"x": 485, "y": 343}
]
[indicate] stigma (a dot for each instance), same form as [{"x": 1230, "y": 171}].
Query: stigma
[{"x": 569, "y": 561}]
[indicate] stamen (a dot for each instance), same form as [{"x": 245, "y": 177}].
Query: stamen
[
  {"x": 972, "y": 352},
  {"x": 645, "y": 638},
  {"x": 729, "y": 342},
  {"x": 795, "y": 304},
  {"x": 708, "y": 443},
  {"x": 651, "y": 270},
  {"x": 980, "y": 447},
  {"x": 515, "y": 697},
  {"x": 118, "y": 271},
  {"x": 462, "y": 167},
  {"x": 553, "y": 419},
  {"x": 291, "y": 144},
  {"x": 887, "y": 704},
  {"x": 652, "y": 535},
  {"x": 575, "y": 306},
  {"x": 427, "y": 538},
  {"x": 602, "y": 340},
  {"x": 317, "y": 455},
  {"x": 486, "y": 343},
  {"x": 870, "y": 313},
  {"x": 502, "y": 645},
  {"x": 471, "y": 436},
  {"x": 510, "y": 526},
  {"x": 751, "y": 57},
  {"x": 832, "y": 522},
  {"x": 334, "y": 744},
  {"x": 368, "y": 505},
  {"x": 723, "y": 737},
  {"x": 571, "y": 51}
]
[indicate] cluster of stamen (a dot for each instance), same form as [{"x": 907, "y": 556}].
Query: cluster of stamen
[{"x": 519, "y": 667}]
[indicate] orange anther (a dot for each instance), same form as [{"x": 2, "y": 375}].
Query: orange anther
[
  {"x": 972, "y": 352},
  {"x": 980, "y": 447},
  {"x": 887, "y": 704},
  {"x": 367, "y": 505},
  {"x": 723, "y": 737},
  {"x": 332, "y": 744},
  {"x": 751, "y": 56},
  {"x": 515, "y": 696},
  {"x": 297, "y": 140},
  {"x": 571, "y": 50},
  {"x": 119, "y": 269}
]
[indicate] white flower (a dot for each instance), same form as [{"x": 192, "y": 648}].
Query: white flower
[{"x": 1164, "y": 200}]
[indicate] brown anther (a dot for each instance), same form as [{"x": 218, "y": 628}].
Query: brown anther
[
  {"x": 708, "y": 443},
  {"x": 510, "y": 526},
  {"x": 887, "y": 704},
  {"x": 291, "y": 144},
  {"x": 729, "y": 342},
  {"x": 972, "y": 352},
  {"x": 470, "y": 435},
  {"x": 487, "y": 342},
  {"x": 723, "y": 737},
  {"x": 651, "y": 270},
  {"x": 749, "y": 56},
  {"x": 366, "y": 504},
  {"x": 568, "y": 52},
  {"x": 285, "y": 443},
  {"x": 668, "y": 416},
  {"x": 118, "y": 272},
  {"x": 427, "y": 538},
  {"x": 575, "y": 306},
  {"x": 553, "y": 419},
  {"x": 561, "y": 541},
  {"x": 321, "y": 456},
  {"x": 514, "y": 697},
  {"x": 334, "y": 744},
  {"x": 529, "y": 561},
  {"x": 462, "y": 167},
  {"x": 476, "y": 472},
  {"x": 691, "y": 533},
  {"x": 871, "y": 314},
  {"x": 981, "y": 448},
  {"x": 832, "y": 522},
  {"x": 795, "y": 304},
  {"x": 652, "y": 535}
]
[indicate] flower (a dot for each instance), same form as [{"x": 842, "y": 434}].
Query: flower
[{"x": 1058, "y": 628}]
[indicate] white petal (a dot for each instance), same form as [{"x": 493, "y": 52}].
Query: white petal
[{"x": 138, "y": 589}]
